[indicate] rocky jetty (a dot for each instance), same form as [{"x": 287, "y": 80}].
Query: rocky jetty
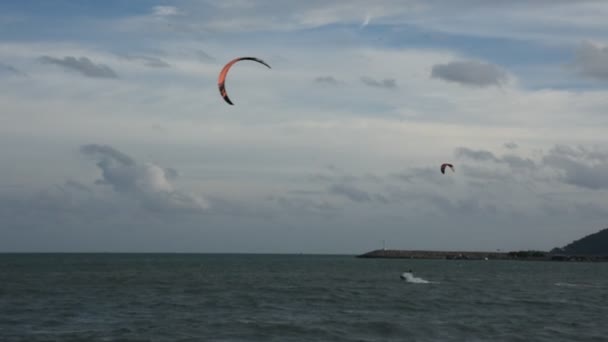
[
  {"x": 593, "y": 247},
  {"x": 468, "y": 255},
  {"x": 456, "y": 255}
]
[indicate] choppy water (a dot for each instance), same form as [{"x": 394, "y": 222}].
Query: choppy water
[{"x": 164, "y": 297}]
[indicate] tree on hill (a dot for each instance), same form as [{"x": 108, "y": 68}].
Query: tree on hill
[{"x": 593, "y": 244}]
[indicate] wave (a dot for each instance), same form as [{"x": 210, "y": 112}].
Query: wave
[
  {"x": 576, "y": 285},
  {"x": 408, "y": 277}
]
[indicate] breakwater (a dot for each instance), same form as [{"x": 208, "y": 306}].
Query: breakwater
[
  {"x": 469, "y": 255},
  {"x": 403, "y": 254}
]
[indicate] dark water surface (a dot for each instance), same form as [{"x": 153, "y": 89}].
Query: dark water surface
[{"x": 182, "y": 297}]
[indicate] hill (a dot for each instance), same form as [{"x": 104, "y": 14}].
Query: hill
[{"x": 593, "y": 244}]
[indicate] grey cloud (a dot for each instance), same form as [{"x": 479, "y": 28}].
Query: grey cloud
[
  {"x": 107, "y": 153},
  {"x": 71, "y": 184},
  {"x": 152, "y": 62},
  {"x": 564, "y": 205},
  {"x": 470, "y": 73},
  {"x": 299, "y": 205},
  {"x": 590, "y": 209},
  {"x": 56, "y": 206},
  {"x": 490, "y": 169},
  {"x": 439, "y": 202},
  {"x": 320, "y": 177},
  {"x": 480, "y": 173},
  {"x": 511, "y": 145},
  {"x": 118, "y": 169},
  {"x": 350, "y": 192},
  {"x": 225, "y": 207},
  {"x": 427, "y": 174},
  {"x": 592, "y": 61},
  {"x": 334, "y": 175},
  {"x": 327, "y": 80},
  {"x": 592, "y": 154},
  {"x": 171, "y": 173},
  {"x": 148, "y": 183},
  {"x": 565, "y": 151},
  {"x": 370, "y": 177},
  {"x": 466, "y": 206},
  {"x": 82, "y": 65},
  {"x": 306, "y": 192},
  {"x": 479, "y": 155},
  {"x": 517, "y": 162},
  {"x": 579, "y": 167},
  {"x": 411, "y": 174},
  {"x": 10, "y": 70},
  {"x": 578, "y": 174},
  {"x": 388, "y": 83},
  {"x": 384, "y": 199}
]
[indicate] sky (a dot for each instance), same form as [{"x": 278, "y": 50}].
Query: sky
[{"x": 114, "y": 138}]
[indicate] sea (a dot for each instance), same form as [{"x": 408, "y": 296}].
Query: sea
[{"x": 241, "y": 297}]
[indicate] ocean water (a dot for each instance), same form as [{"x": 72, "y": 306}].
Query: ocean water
[{"x": 190, "y": 297}]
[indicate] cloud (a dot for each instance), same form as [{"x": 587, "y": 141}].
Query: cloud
[
  {"x": 271, "y": 150},
  {"x": 171, "y": 173},
  {"x": 307, "y": 206},
  {"x": 514, "y": 161},
  {"x": 466, "y": 206},
  {"x": 593, "y": 154},
  {"x": 74, "y": 185},
  {"x": 517, "y": 162},
  {"x": 163, "y": 11},
  {"x": 10, "y": 70},
  {"x": 148, "y": 183},
  {"x": 510, "y": 145},
  {"x": 426, "y": 174},
  {"x": 479, "y": 155},
  {"x": 152, "y": 62},
  {"x": 350, "y": 192},
  {"x": 327, "y": 80},
  {"x": 580, "y": 167},
  {"x": 204, "y": 57},
  {"x": 591, "y": 61},
  {"x": 535, "y": 20},
  {"x": 58, "y": 205},
  {"x": 82, "y": 65},
  {"x": 366, "y": 21},
  {"x": 387, "y": 83},
  {"x": 108, "y": 154},
  {"x": 471, "y": 73}
]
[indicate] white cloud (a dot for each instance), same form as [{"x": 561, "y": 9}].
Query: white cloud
[
  {"x": 165, "y": 10},
  {"x": 147, "y": 183},
  {"x": 517, "y": 19}
]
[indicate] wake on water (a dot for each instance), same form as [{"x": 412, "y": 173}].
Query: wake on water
[
  {"x": 408, "y": 277},
  {"x": 576, "y": 285}
]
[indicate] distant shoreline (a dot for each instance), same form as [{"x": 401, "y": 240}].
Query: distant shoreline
[{"x": 468, "y": 255}]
